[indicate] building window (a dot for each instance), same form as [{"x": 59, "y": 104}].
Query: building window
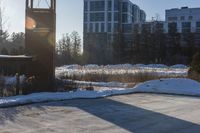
[
  {"x": 91, "y": 27},
  {"x": 116, "y": 16},
  {"x": 109, "y": 16},
  {"x": 198, "y": 24},
  {"x": 102, "y": 27},
  {"x": 97, "y": 5},
  {"x": 182, "y": 17},
  {"x": 96, "y": 27},
  {"x": 186, "y": 27},
  {"x": 85, "y": 6},
  {"x": 116, "y": 27},
  {"x": 116, "y": 5},
  {"x": 85, "y": 17},
  {"x": 198, "y": 27},
  {"x": 133, "y": 10},
  {"x": 190, "y": 17},
  {"x": 124, "y": 18},
  {"x": 125, "y": 7},
  {"x": 109, "y": 27},
  {"x": 97, "y": 17},
  {"x": 172, "y": 18},
  {"x": 85, "y": 28},
  {"x": 109, "y": 5},
  {"x": 133, "y": 20}
]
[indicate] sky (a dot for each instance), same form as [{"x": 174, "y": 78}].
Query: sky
[{"x": 70, "y": 13}]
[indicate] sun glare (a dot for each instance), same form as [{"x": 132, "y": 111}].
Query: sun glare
[{"x": 30, "y": 23}]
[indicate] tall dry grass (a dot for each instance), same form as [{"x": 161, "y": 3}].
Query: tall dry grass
[
  {"x": 194, "y": 76},
  {"x": 124, "y": 78}
]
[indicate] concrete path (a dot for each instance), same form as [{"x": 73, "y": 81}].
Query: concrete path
[{"x": 137, "y": 113}]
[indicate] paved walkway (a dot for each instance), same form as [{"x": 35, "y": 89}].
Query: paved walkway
[{"x": 137, "y": 113}]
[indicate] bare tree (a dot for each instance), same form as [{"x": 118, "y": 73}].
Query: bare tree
[
  {"x": 157, "y": 17},
  {"x": 3, "y": 21},
  {"x": 76, "y": 45}
]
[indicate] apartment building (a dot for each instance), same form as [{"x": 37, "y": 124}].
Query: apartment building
[
  {"x": 105, "y": 19},
  {"x": 184, "y": 19}
]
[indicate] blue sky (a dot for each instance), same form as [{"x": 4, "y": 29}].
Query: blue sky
[{"x": 70, "y": 12}]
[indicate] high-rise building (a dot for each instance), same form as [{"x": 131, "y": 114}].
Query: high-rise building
[{"x": 104, "y": 20}]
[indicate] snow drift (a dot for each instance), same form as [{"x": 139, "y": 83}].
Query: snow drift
[
  {"x": 170, "y": 86},
  {"x": 179, "y": 86}
]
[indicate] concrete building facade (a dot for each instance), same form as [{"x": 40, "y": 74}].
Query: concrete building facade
[
  {"x": 186, "y": 19},
  {"x": 105, "y": 19},
  {"x": 179, "y": 36}
]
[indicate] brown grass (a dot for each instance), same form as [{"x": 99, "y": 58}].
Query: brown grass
[
  {"x": 124, "y": 78},
  {"x": 194, "y": 76}
]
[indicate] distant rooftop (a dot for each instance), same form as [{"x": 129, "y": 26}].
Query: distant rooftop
[{"x": 184, "y": 7}]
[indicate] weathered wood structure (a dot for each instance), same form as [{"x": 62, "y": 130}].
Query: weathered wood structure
[
  {"x": 10, "y": 65},
  {"x": 40, "y": 37}
]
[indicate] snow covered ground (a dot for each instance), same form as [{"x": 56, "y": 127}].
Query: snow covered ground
[
  {"x": 159, "y": 69},
  {"x": 100, "y": 84},
  {"x": 179, "y": 86}
]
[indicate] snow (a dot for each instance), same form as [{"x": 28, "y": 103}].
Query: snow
[
  {"x": 15, "y": 56},
  {"x": 180, "y": 86},
  {"x": 46, "y": 97},
  {"x": 179, "y": 66},
  {"x": 156, "y": 66},
  {"x": 100, "y": 84},
  {"x": 11, "y": 80},
  {"x": 91, "y": 66},
  {"x": 157, "y": 69},
  {"x": 75, "y": 66}
]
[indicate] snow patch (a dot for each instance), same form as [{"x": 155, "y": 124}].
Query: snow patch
[
  {"x": 11, "y": 80},
  {"x": 16, "y": 56},
  {"x": 100, "y": 84},
  {"x": 179, "y": 66},
  {"x": 179, "y": 86},
  {"x": 171, "y": 86}
]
